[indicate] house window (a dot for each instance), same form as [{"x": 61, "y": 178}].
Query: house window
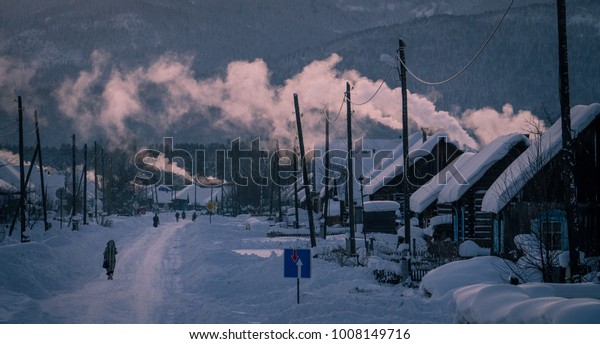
[
  {"x": 551, "y": 228},
  {"x": 552, "y": 234}
]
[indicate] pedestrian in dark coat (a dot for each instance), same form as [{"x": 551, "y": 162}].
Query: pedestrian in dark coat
[
  {"x": 183, "y": 215},
  {"x": 155, "y": 220},
  {"x": 110, "y": 259},
  {"x": 177, "y": 216},
  {"x": 194, "y": 216}
]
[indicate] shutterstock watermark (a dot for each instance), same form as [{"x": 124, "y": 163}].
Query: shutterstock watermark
[{"x": 245, "y": 164}]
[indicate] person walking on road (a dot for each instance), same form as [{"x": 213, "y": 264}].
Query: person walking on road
[{"x": 110, "y": 259}]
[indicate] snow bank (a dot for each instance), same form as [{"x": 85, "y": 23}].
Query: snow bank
[
  {"x": 470, "y": 249},
  {"x": 481, "y": 294},
  {"x": 528, "y": 303},
  {"x": 454, "y": 275},
  {"x": 436, "y": 220},
  {"x": 257, "y": 224}
]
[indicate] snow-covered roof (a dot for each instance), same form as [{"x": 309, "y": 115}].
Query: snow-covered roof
[
  {"x": 6, "y": 187},
  {"x": 379, "y": 166},
  {"x": 288, "y": 191},
  {"x": 196, "y": 193},
  {"x": 333, "y": 209},
  {"x": 301, "y": 194},
  {"x": 425, "y": 148},
  {"x": 394, "y": 167},
  {"x": 428, "y": 193},
  {"x": 516, "y": 176},
  {"x": 376, "y": 155},
  {"x": 376, "y": 206},
  {"x": 164, "y": 194},
  {"x": 9, "y": 173},
  {"x": 478, "y": 165}
]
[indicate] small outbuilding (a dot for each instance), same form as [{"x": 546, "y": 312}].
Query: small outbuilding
[{"x": 380, "y": 217}]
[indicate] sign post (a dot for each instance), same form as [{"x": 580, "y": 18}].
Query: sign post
[
  {"x": 211, "y": 207},
  {"x": 296, "y": 264}
]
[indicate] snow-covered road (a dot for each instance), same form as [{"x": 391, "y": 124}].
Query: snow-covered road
[
  {"x": 193, "y": 272},
  {"x": 135, "y": 295},
  {"x": 228, "y": 271}
]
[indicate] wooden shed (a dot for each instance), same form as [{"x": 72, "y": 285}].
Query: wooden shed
[{"x": 380, "y": 217}]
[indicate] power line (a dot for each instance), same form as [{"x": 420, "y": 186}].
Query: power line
[
  {"x": 434, "y": 83},
  {"x": 9, "y": 125},
  {"x": 377, "y": 91},
  {"x": 338, "y": 114}
]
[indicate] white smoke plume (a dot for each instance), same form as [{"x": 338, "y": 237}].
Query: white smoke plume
[
  {"x": 487, "y": 123},
  {"x": 247, "y": 102}
]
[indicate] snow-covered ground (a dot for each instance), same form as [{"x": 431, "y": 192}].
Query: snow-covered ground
[{"x": 230, "y": 272}]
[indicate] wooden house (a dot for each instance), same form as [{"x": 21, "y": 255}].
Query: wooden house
[
  {"x": 424, "y": 201},
  {"x": 528, "y": 197},
  {"x": 426, "y": 159},
  {"x": 464, "y": 193}
]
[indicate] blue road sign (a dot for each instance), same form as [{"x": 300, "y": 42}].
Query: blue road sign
[{"x": 294, "y": 261}]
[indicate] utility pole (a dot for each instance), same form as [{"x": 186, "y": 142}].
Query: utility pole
[
  {"x": 278, "y": 185},
  {"x": 41, "y": 165},
  {"x": 103, "y": 181},
  {"x": 29, "y": 170},
  {"x": 311, "y": 223},
  {"x": 85, "y": 184},
  {"x": 570, "y": 190},
  {"x": 23, "y": 191},
  {"x": 74, "y": 196},
  {"x": 95, "y": 182},
  {"x": 271, "y": 183},
  {"x": 297, "y": 220},
  {"x": 109, "y": 187},
  {"x": 350, "y": 182},
  {"x": 326, "y": 157},
  {"x": 402, "y": 70}
]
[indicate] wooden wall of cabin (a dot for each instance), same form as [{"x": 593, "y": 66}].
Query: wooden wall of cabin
[
  {"x": 587, "y": 164},
  {"x": 546, "y": 190},
  {"x": 518, "y": 217},
  {"x": 478, "y": 225}
]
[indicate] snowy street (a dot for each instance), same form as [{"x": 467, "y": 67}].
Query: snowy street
[
  {"x": 192, "y": 272},
  {"x": 135, "y": 296}
]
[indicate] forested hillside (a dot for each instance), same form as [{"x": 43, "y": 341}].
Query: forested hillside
[
  {"x": 45, "y": 43},
  {"x": 519, "y": 65}
]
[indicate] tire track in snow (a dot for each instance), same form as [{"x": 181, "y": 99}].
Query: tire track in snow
[{"x": 150, "y": 280}]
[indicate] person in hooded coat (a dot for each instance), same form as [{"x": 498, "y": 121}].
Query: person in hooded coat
[
  {"x": 155, "y": 220},
  {"x": 110, "y": 259}
]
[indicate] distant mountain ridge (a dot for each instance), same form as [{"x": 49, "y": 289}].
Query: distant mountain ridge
[
  {"x": 519, "y": 65},
  {"x": 58, "y": 37}
]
